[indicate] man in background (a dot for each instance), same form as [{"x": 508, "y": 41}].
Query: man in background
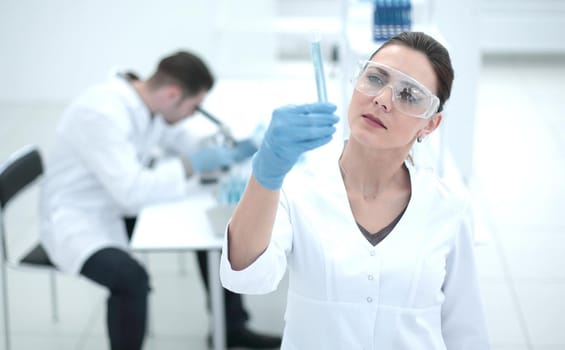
[{"x": 101, "y": 172}]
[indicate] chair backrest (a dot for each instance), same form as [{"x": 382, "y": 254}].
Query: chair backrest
[{"x": 20, "y": 170}]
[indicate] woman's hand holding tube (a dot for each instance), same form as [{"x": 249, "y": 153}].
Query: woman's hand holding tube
[{"x": 293, "y": 130}]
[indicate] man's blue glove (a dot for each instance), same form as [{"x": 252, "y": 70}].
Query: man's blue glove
[
  {"x": 211, "y": 158},
  {"x": 244, "y": 149},
  {"x": 293, "y": 130}
]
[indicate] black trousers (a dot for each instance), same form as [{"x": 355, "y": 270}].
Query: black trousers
[{"x": 129, "y": 286}]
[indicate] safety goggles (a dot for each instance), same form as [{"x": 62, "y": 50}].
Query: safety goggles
[{"x": 408, "y": 95}]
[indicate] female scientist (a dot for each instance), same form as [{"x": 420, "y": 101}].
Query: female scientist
[{"x": 379, "y": 251}]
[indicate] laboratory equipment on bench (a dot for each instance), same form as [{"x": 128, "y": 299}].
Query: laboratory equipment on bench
[{"x": 242, "y": 150}]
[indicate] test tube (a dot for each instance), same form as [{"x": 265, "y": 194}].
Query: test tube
[{"x": 319, "y": 71}]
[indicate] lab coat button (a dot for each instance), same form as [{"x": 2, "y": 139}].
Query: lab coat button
[
  {"x": 372, "y": 253},
  {"x": 369, "y": 299},
  {"x": 370, "y": 277}
]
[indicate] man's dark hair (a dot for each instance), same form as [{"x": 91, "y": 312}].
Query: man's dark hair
[{"x": 184, "y": 69}]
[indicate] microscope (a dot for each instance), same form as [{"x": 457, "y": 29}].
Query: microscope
[{"x": 223, "y": 137}]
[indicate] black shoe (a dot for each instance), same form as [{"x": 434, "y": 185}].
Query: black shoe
[{"x": 246, "y": 338}]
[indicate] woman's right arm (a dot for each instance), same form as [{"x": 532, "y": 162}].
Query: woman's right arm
[
  {"x": 292, "y": 131},
  {"x": 251, "y": 225}
]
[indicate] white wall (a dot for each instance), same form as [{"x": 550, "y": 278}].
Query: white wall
[
  {"x": 472, "y": 28},
  {"x": 51, "y": 50},
  {"x": 455, "y": 21},
  {"x": 522, "y": 26}
]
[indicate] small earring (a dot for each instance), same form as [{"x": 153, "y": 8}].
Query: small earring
[{"x": 419, "y": 139}]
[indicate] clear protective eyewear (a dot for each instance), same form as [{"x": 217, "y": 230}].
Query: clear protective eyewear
[{"x": 408, "y": 95}]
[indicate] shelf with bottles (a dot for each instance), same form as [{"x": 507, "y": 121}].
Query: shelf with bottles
[
  {"x": 367, "y": 27},
  {"x": 391, "y": 17}
]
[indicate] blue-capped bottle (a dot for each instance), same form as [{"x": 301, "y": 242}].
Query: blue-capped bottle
[{"x": 391, "y": 17}]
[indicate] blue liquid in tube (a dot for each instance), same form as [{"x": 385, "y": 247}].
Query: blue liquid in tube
[{"x": 319, "y": 71}]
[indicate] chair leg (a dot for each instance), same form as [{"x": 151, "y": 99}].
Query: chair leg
[
  {"x": 54, "y": 299},
  {"x": 5, "y": 308}
]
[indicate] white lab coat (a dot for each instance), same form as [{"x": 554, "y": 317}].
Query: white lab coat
[
  {"x": 96, "y": 172},
  {"x": 415, "y": 290}
]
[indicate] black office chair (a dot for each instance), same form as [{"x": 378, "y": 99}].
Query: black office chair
[{"x": 19, "y": 171}]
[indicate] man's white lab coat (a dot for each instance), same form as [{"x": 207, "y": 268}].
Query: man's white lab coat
[
  {"x": 415, "y": 290},
  {"x": 97, "y": 172}
]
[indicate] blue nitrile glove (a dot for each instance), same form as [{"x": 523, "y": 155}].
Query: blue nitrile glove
[
  {"x": 293, "y": 130},
  {"x": 244, "y": 149},
  {"x": 210, "y": 158}
]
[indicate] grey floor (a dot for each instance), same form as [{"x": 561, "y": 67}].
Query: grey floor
[{"x": 519, "y": 169}]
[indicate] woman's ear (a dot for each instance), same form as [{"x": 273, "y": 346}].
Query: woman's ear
[{"x": 431, "y": 125}]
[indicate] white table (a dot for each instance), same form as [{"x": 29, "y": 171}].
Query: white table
[{"x": 181, "y": 226}]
